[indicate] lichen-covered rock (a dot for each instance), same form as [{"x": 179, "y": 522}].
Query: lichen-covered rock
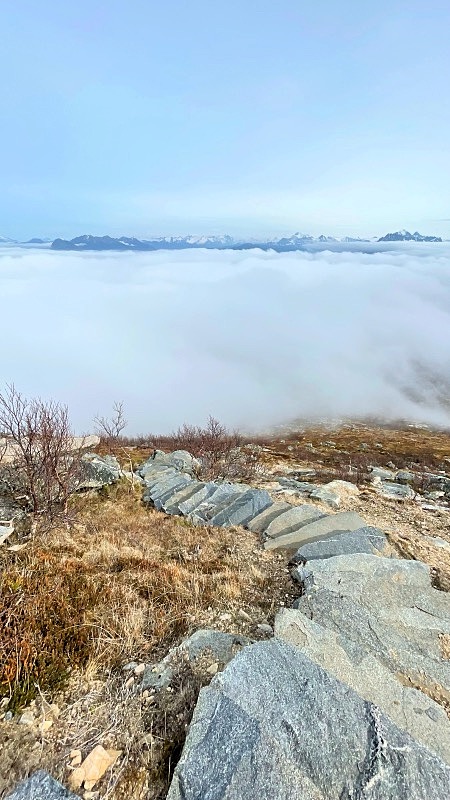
[{"x": 364, "y": 540}]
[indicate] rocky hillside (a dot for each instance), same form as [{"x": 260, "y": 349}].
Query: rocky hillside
[{"x": 336, "y": 685}]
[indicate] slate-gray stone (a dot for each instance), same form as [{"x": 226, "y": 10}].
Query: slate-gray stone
[
  {"x": 222, "y": 646},
  {"x": 223, "y": 494},
  {"x": 260, "y": 523},
  {"x": 364, "y": 540},
  {"x": 322, "y": 528},
  {"x": 41, "y": 786},
  {"x": 409, "y": 708},
  {"x": 188, "y": 506},
  {"x": 172, "y": 505},
  {"x": 395, "y": 491},
  {"x": 243, "y": 508},
  {"x": 276, "y": 726},
  {"x": 388, "y": 607},
  {"x": 97, "y": 471},
  {"x": 293, "y": 519}
]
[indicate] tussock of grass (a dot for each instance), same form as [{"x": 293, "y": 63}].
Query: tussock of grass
[{"x": 124, "y": 582}]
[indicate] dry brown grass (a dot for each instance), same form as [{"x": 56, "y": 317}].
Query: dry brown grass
[{"x": 123, "y": 583}]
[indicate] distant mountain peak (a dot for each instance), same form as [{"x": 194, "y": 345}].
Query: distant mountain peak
[{"x": 406, "y": 236}]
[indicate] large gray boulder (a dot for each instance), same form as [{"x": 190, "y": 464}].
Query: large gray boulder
[
  {"x": 97, "y": 471},
  {"x": 409, "y": 708},
  {"x": 166, "y": 487},
  {"x": 321, "y": 528},
  {"x": 364, "y": 540},
  {"x": 386, "y": 606},
  {"x": 292, "y": 520},
  {"x": 243, "y": 508},
  {"x": 41, "y": 786},
  {"x": 276, "y": 726},
  {"x": 180, "y": 460}
]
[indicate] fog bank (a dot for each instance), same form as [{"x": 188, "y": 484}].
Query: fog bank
[{"x": 253, "y": 338}]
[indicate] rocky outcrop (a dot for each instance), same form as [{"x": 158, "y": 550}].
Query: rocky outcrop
[
  {"x": 97, "y": 471},
  {"x": 277, "y": 725}
]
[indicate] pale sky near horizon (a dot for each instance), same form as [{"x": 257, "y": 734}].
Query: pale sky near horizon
[{"x": 250, "y": 118}]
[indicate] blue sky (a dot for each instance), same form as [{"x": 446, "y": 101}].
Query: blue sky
[{"x": 243, "y": 117}]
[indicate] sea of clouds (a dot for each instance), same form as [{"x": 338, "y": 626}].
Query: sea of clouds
[{"x": 254, "y": 338}]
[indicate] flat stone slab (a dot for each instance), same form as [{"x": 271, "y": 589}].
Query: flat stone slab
[
  {"x": 163, "y": 497},
  {"x": 188, "y": 506},
  {"x": 173, "y": 483},
  {"x": 292, "y": 520},
  {"x": 388, "y": 607},
  {"x": 409, "y": 708},
  {"x": 320, "y": 529},
  {"x": 276, "y": 726},
  {"x": 224, "y": 494},
  {"x": 364, "y": 540},
  {"x": 172, "y": 505},
  {"x": 41, "y": 786},
  {"x": 243, "y": 509},
  {"x": 260, "y": 523},
  {"x": 327, "y": 496}
]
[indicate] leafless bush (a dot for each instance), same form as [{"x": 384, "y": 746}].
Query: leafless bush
[
  {"x": 39, "y": 462},
  {"x": 221, "y": 452},
  {"x": 110, "y": 428}
]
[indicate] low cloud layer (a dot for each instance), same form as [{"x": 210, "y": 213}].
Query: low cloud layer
[{"x": 253, "y": 338}]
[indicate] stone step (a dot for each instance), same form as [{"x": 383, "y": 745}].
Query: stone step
[
  {"x": 167, "y": 493},
  {"x": 172, "y": 505},
  {"x": 243, "y": 509},
  {"x": 292, "y": 520},
  {"x": 322, "y": 528},
  {"x": 190, "y": 505},
  {"x": 363, "y": 540},
  {"x": 260, "y": 523},
  {"x": 174, "y": 482},
  {"x": 224, "y": 494}
]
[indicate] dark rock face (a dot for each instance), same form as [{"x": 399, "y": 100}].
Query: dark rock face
[
  {"x": 98, "y": 471},
  {"x": 276, "y": 726},
  {"x": 41, "y": 786}
]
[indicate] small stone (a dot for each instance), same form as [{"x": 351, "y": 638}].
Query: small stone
[
  {"x": 145, "y": 694},
  {"x": 27, "y": 718},
  {"x": 93, "y": 767},
  {"x": 8, "y": 716},
  {"x": 139, "y": 669},
  {"x": 226, "y": 617},
  {"x": 75, "y": 758},
  {"x": 130, "y": 667},
  {"x": 129, "y": 682},
  {"x": 243, "y": 615},
  {"x": 46, "y": 725},
  {"x": 264, "y": 627},
  {"x": 213, "y": 669}
]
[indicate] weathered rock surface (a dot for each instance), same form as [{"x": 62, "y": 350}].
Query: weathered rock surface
[
  {"x": 409, "y": 708},
  {"x": 320, "y": 529},
  {"x": 172, "y": 505},
  {"x": 222, "y": 496},
  {"x": 41, "y": 786},
  {"x": 222, "y": 646},
  {"x": 292, "y": 520},
  {"x": 260, "y": 523},
  {"x": 188, "y": 506},
  {"x": 180, "y": 460},
  {"x": 243, "y": 508},
  {"x": 395, "y": 491},
  {"x": 276, "y": 726},
  {"x": 97, "y": 471},
  {"x": 363, "y": 540},
  {"x": 386, "y": 606}
]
